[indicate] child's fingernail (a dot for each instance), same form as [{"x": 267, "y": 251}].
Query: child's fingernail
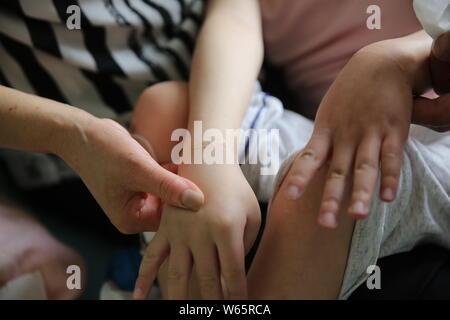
[
  {"x": 388, "y": 194},
  {"x": 293, "y": 192},
  {"x": 328, "y": 220},
  {"x": 192, "y": 199},
  {"x": 137, "y": 294},
  {"x": 358, "y": 208}
]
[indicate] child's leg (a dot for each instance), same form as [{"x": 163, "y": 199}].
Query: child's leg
[
  {"x": 298, "y": 259},
  {"x": 160, "y": 110}
]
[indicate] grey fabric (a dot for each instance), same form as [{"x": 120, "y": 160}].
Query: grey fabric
[{"x": 420, "y": 214}]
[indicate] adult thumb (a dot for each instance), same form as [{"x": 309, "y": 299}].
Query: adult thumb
[
  {"x": 440, "y": 64},
  {"x": 171, "y": 188},
  {"x": 432, "y": 113}
]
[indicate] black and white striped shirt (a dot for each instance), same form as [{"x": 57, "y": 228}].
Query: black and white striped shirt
[{"x": 122, "y": 47}]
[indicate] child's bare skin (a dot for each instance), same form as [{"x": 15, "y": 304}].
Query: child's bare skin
[
  {"x": 217, "y": 236},
  {"x": 293, "y": 247},
  {"x": 218, "y": 95},
  {"x": 375, "y": 93},
  {"x": 282, "y": 255},
  {"x": 297, "y": 258}
]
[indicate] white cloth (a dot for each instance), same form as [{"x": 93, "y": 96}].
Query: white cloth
[
  {"x": 264, "y": 114},
  {"x": 434, "y": 16}
]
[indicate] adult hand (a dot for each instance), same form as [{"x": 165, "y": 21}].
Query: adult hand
[
  {"x": 122, "y": 176},
  {"x": 361, "y": 125},
  {"x": 26, "y": 247},
  {"x": 435, "y": 113}
]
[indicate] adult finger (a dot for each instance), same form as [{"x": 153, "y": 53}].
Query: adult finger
[
  {"x": 391, "y": 163},
  {"x": 310, "y": 159},
  {"x": 432, "y": 113},
  {"x": 157, "y": 251},
  {"x": 169, "y": 187},
  {"x": 141, "y": 212},
  {"x": 367, "y": 166},
  {"x": 335, "y": 185},
  {"x": 440, "y": 64}
]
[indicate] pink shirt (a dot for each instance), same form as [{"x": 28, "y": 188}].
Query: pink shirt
[{"x": 311, "y": 40}]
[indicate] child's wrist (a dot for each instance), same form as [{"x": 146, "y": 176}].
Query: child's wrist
[{"x": 211, "y": 153}]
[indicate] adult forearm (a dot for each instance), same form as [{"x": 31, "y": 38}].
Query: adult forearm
[
  {"x": 36, "y": 124},
  {"x": 411, "y": 54}
]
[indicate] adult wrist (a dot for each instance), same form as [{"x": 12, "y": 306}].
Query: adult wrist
[
  {"x": 410, "y": 55},
  {"x": 70, "y": 130}
]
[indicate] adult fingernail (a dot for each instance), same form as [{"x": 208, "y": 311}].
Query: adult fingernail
[
  {"x": 293, "y": 192},
  {"x": 328, "y": 220},
  {"x": 388, "y": 194},
  {"x": 192, "y": 199},
  {"x": 358, "y": 208}
]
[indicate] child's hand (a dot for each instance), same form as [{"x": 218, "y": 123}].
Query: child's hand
[
  {"x": 362, "y": 122},
  {"x": 214, "y": 240}
]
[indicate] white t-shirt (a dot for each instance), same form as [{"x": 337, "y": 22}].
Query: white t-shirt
[{"x": 434, "y": 16}]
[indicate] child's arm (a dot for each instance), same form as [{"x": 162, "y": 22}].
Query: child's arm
[
  {"x": 362, "y": 122},
  {"x": 226, "y": 63},
  {"x": 227, "y": 60}
]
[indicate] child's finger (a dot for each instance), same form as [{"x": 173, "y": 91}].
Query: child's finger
[
  {"x": 232, "y": 262},
  {"x": 306, "y": 164},
  {"x": 391, "y": 163},
  {"x": 365, "y": 176},
  {"x": 155, "y": 254},
  {"x": 207, "y": 270},
  {"x": 179, "y": 273},
  {"x": 335, "y": 185}
]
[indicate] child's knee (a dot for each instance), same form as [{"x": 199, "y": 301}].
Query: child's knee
[
  {"x": 305, "y": 208},
  {"x": 166, "y": 100},
  {"x": 160, "y": 110},
  {"x": 290, "y": 219}
]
